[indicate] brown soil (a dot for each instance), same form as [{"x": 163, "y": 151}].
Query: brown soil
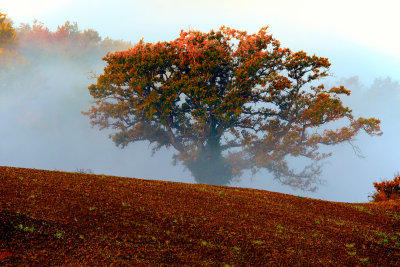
[{"x": 75, "y": 219}]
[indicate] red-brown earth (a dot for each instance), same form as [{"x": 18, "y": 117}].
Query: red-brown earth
[{"x": 77, "y": 219}]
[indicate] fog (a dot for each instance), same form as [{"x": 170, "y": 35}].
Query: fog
[
  {"x": 46, "y": 130},
  {"x": 349, "y": 178},
  {"x": 43, "y": 128}
]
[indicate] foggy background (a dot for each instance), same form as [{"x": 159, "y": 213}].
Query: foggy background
[{"x": 42, "y": 126}]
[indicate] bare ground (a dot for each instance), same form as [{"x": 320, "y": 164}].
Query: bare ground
[{"x": 75, "y": 219}]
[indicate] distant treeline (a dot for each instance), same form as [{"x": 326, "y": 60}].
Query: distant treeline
[
  {"x": 30, "y": 52},
  {"x": 28, "y": 43},
  {"x": 67, "y": 40}
]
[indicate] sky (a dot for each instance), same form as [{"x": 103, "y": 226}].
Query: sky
[{"x": 358, "y": 37}]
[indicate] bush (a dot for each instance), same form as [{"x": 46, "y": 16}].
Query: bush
[{"x": 387, "y": 190}]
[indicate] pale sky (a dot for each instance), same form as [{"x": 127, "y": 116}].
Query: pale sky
[{"x": 360, "y": 38}]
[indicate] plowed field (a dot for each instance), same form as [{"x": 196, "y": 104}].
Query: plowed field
[{"x": 76, "y": 219}]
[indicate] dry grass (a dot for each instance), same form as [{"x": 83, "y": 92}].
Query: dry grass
[{"x": 75, "y": 219}]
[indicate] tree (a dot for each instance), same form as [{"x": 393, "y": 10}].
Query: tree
[
  {"x": 227, "y": 102},
  {"x": 7, "y": 32},
  {"x": 68, "y": 41},
  {"x": 8, "y": 40}
]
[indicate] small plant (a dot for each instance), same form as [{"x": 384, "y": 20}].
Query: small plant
[
  {"x": 361, "y": 208},
  {"x": 350, "y": 245},
  {"x": 59, "y": 234},
  {"x": 126, "y": 204},
  {"x": 394, "y": 215},
  {"x": 25, "y": 228},
  {"x": 206, "y": 244},
  {"x": 381, "y": 235},
  {"x": 203, "y": 189},
  {"x": 29, "y": 229}
]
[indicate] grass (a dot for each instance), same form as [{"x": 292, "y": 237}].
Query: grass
[{"x": 76, "y": 219}]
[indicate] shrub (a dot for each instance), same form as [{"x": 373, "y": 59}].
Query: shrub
[{"x": 387, "y": 190}]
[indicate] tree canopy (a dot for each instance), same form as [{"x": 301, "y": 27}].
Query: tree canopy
[
  {"x": 226, "y": 101},
  {"x": 7, "y": 32},
  {"x": 8, "y": 39}
]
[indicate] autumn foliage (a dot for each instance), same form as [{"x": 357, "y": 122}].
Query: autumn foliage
[
  {"x": 67, "y": 41},
  {"x": 29, "y": 45},
  {"x": 7, "y": 32},
  {"x": 387, "y": 190},
  {"x": 226, "y": 101},
  {"x": 8, "y": 40},
  {"x": 33, "y": 55}
]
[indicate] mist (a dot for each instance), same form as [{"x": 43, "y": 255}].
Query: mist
[
  {"x": 349, "y": 174},
  {"x": 43, "y": 128},
  {"x": 46, "y": 130},
  {"x": 41, "y": 102}
]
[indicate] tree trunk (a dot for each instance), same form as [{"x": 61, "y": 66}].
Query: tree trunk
[{"x": 210, "y": 167}]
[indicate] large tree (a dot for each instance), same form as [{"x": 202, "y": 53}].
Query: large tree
[{"x": 226, "y": 101}]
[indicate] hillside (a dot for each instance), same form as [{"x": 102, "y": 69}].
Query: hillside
[{"x": 72, "y": 219}]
